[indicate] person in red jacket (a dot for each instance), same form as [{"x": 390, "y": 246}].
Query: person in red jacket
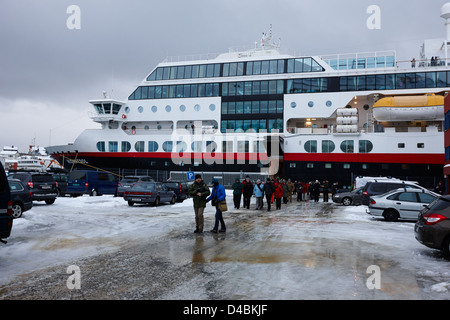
[
  {"x": 305, "y": 187},
  {"x": 278, "y": 195}
]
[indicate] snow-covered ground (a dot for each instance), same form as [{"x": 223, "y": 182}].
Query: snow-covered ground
[{"x": 74, "y": 228}]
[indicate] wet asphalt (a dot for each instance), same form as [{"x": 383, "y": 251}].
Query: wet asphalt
[{"x": 303, "y": 251}]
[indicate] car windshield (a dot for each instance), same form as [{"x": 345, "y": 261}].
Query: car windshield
[
  {"x": 171, "y": 184},
  {"x": 42, "y": 178},
  {"x": 129, "y": 180},
  {"x": 145, "y": 185}
]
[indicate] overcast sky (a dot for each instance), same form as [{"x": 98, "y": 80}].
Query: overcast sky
[{"x": 48, "y": 72}]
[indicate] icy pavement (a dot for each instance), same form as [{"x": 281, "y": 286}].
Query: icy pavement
[{"x": 304, "y": 251}]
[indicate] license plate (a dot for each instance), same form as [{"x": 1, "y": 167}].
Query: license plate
[
  {"x": 135, "y": 199},
  {"x": 46, "y": 187}
]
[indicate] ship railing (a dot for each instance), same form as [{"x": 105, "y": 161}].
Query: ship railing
[
  {"x": 361, "y": 60},
  {"x": 422, "y": 63},
  {"x": 376, "y": 129}
]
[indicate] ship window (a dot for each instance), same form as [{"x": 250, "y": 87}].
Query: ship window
[
  {"x": 227, "y": 146},
  {"x": 431, "y": 79},
  {"x": 264, "y": 67},
  {"x": 154, "y": 108},
  {"x": 168, "y": 108},
  {"x": 347, "y": 146},
  {"x": 310, "y": 165},
  {"x": 401, "y": 145},
  {"x": 107, "y": 107},
  {"x": 126, "y": 146},
  {"x": 168, "y": 146},
  {"x": 311, "y": 146},
  {"x": 211, "y": 146},
  {"x": 365, "y": 146},
  {"x": 116, "y": 108},
  {"x": 212, "y": 107},
  {"x": 196, "y": 146},
  {"x": 421, "y": 145},
  {"x": 113, "y": 146},
  {"x": 181, "y": 146},
  {"x": 328, "y": 165},
  {"x": 195, "y": 70},
  {"x": 441, "y": 79},
  {"x": 346, "y": 165},
  {"x": 197, "y": 107},
  {"x": 139, "y": 146},
  {"x": 141, "y": 109},
  {"x": 327, "y": 146},
  {"x": 101, "y": 146},
  {"x": 99, "y": 108}
]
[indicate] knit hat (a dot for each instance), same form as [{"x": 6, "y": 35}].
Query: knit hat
[{"x": 197, "y": 176}]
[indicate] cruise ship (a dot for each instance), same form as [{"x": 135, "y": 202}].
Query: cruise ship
[{"x": 262, "y": 111}]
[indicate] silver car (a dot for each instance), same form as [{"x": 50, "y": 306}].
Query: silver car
[{"x": 401, "y": 203}]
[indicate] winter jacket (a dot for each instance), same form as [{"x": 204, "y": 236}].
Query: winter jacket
[
  {"x": 257, "y": 191},
  {"x": 278, "y": 191},
  {"x": 285, "y": 189},
  {"x": 217, "y": 193},
  {"x": 248, "y": 188},
  {"x": 199, "y": 202},
  {"x": 269, "y": 189},
  {"x": 237, "y": 188}
]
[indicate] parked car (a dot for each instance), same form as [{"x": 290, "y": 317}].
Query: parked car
[
  {"x": 401, "y": 203},
  {"x": 373, "y": 188},
  {"x": 6, "y": 219},
  {"x": 62, "y": 182},
  {"x": 149, "y": 192},
  {"x": 21, "y": 197},
  {"x": 42, "y": 185},
  {"x": 433, "y": 227},
  {"x": 94, "y": 183},
  {"x": 180, "y": 188},
  {"x": 128, "y": 181},
  {"x": 347, "y": 198}
]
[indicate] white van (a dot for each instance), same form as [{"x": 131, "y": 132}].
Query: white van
[{"x": 361, "y": 181}]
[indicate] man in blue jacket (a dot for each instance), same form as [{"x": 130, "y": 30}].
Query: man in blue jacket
[{"x": 217, "y": 194}]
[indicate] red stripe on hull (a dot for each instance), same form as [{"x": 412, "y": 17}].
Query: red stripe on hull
[{"x": 410, "y": 158}]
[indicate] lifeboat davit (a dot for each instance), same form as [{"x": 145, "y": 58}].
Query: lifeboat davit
[{"x": 410, "y": 108}]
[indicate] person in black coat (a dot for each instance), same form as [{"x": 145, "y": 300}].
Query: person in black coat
[
  {"x": 247, "y": 191},
  {"x": 269, "y": 189}
]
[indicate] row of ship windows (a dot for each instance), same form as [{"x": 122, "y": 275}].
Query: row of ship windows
[
  {"x": 347, "y": 146},
  {"x": 235, "y": 69},
  {"x": 364, "y": 166},
  {"x": 256, "y": 125},
  {"x": 417, "y": 80},
  {"x": 252, "y": 107},
  {"x": 178, "y": 146}
]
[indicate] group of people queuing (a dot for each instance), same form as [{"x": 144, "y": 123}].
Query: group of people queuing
[{"x": 279, "y": 191}]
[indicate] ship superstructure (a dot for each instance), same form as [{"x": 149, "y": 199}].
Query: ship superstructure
[{"x": 304, "y": 117}]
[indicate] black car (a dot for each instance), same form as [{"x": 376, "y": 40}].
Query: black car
[
  {"x": 20, "y": 196},
  {"x": 180, "y": 188},
  {"x": 380, "y": 187},
  {"x": 6, "y": 219},
  {"x": 40, "y": 184},
  {"x": 349, "y": 197},
  {"x": 433, "y": 227}
]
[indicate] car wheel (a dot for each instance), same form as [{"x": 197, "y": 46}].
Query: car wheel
[
  {"x": 17, "y": 210},
  {"x": 157, "y": 202},
  {"x": 391, "y": 215},
  {"x": 174, "y": 199},
  {"x": 446, "y": 248},
  {"x": 50, "y": 201},
  {"x": 347, "y": 201},
  {"x": 94, "y": 193},
  {"x": 130, "y": 203}
]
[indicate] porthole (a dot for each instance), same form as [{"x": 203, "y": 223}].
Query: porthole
[
  {"x": 182, "y": 108},
  {"x": 154, "y": 108},
  {"x": 197, "y": 107},
  {"x": 168, "y": 108},
  {"x": 146, "y": 128},
  {"x": 310, "y": 104},
  {"x": 141, "y": 109},
  {"x": 127, "y": 109},
  {"x": 328, "y": 103},
  {"x": 212, "y": 107},
  {"x": 366, "y": 107},
  {"x": 293, "y": 105}
]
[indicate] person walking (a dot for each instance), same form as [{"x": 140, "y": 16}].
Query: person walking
[
  {"x": 291, "y": 189},
  {"x": 217, "y": 194},
  {"x": 199, "y": 191},
  {"x": 305, "y": 187},
  {"x": 278, "y": 195},
  {"x": 247, "y": 191},
  {"x": 269, "y": 189},
  {"x": 237, "y": 193},
  {"x": 285, "y": 191},
  {"x": 258, "y": 191},
  {"x": 325, "y": 190},
  {"x": 298, "y": 190}
]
